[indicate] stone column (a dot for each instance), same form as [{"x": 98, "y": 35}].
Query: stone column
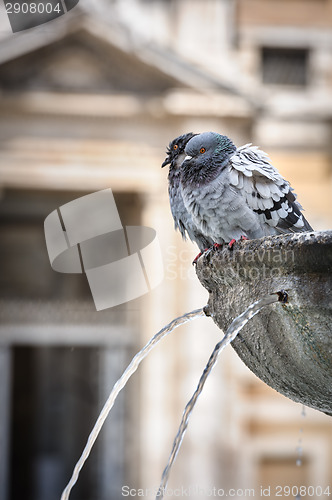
[{"x": 5, "y": 384}]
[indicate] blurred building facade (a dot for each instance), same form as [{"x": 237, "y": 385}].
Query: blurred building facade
[{"x": 90, "y": 101}]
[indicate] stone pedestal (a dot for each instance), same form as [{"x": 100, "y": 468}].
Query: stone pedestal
[{"x": 287, "y": 346}]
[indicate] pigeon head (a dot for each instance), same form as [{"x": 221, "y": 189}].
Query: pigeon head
[
  {"x": 175, "y": 150},
  {"x": 206, "y": 155}
]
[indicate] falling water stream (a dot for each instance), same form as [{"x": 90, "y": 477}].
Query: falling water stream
[
  {"x": 119, "y": 385},
  {"x": 231, "y": 333},
  {"x": 299, "y": 448}
]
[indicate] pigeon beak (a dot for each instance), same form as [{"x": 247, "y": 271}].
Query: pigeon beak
[
  {"x": 166, "y": 162},
  {"x": 188, "y": 158}
]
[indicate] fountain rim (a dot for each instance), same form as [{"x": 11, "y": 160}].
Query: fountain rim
[{"x": 299, "y": 252}]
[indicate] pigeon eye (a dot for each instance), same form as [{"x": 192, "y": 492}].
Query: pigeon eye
[
  {"x": 202, "y": 150},
  {"x": 175, "y": 147}
]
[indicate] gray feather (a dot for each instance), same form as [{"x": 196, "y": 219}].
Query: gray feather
[
  {"x": 182, "y": 218},
  {"x": 232, "y": 192}
]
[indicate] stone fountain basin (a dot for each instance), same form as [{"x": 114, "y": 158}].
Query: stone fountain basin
[{"x": 288, "y": 346}]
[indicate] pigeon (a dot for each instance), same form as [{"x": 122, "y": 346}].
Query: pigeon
[
  {"x": 182, "y": 219},
  {"x": 236, "y": 193}
]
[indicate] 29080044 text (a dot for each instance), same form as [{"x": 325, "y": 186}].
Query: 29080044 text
[
  {"x": 32, "y": 8},
  {"x": 296, "y": 491}
]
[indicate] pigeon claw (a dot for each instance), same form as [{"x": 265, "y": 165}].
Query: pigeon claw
[
  {"x": 198, "y": 256},
  {"x": 233, "y": 241},
  {"x": 217, "y": 245}
]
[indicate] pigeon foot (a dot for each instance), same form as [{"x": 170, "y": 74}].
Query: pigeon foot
[
  {"x": 198, "y": 256},
  {"x": 233, "y": 241}
]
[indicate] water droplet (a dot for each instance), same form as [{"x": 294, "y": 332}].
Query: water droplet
[{"x": 299, "y": 448}]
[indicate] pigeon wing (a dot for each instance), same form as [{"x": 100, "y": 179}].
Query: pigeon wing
[{"x": 267, "y": 193}]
